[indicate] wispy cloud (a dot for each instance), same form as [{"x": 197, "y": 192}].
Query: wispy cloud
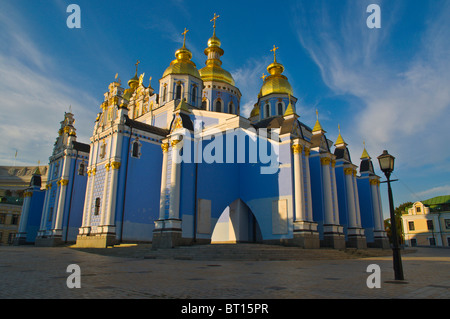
[
  {"x": 402, "y": 107},
  {"x": 248, "y": 80},
  {"x": 33, "y": 99},
  {"x": 433, "y": 192}
]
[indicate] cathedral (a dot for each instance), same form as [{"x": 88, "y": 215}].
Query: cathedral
[{"x": 178, "y": 165}]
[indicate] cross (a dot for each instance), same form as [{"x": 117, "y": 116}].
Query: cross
[
  {"x": 263, "y": 76},
  {"x": 137, "y": 63},
  {"x": 274, "y": 53},
  {"x": 184, "y": 33},
  {"x": 214, "y": 19}
]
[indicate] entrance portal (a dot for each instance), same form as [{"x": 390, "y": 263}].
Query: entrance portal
[{"x": 236, "y": 224}]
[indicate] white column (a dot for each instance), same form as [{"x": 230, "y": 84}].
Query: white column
[
  {"x": 62, "y": 183},
  {"x": 111, "y": 202},
  {"x": 352, "y": 222},
  {"x": 308, "y": 186},
  {"x": 376, "y": 205},
  {"x": 300, "y": 213},
  {"x": 334, "y": 193},
  {"x": 327, "y": 195},
  {"x": 162, "y": 199},
  {"x": 355, "y": 189},
  {"x": 175, "y": 182},
  {"x": 24, "y": 213}
]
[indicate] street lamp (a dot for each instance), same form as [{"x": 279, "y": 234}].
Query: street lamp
[{"x": 386, "y": 162}]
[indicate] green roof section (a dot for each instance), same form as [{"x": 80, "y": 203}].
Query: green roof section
[{"x": 439, "y": 200}]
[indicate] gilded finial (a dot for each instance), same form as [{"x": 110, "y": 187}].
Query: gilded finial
[
  {"x": 317, "y": 127},
  {"x": 184, "y": 34},
  {"x": 365, "y": 155},
  {"x": 340, "y": 140},
  {"x": 274, "y": 53},
  {"x": 263, "y": 76},
  {"x": 137, "y": 63},
  {"x": 214, "y": 19}
]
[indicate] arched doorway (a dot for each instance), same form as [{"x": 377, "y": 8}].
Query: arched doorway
[{"x": 236, "y": 224}]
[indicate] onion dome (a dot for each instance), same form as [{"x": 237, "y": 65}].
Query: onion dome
[
  {"x": 255, "y": 111},
  {"x": 182, "y": 64},
  {"x": 213, "y": 70},
  {"x": 276, "y": 82}
]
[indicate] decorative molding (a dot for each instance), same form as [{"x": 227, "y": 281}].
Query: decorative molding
[{"x": 297, "y": 148}]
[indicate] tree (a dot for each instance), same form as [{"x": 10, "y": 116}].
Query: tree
[{"x": 398, "y": 212}]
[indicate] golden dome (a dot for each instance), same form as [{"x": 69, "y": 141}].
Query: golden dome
[
  {"x": 182, "y": 64},
  {"x": 213, "y": 70},
  {"x": 255, "y": 111},
  {"x": 276, "y": 82}
]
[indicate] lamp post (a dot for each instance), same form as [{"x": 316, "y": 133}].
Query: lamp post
[{"x": 386, "y": 162}]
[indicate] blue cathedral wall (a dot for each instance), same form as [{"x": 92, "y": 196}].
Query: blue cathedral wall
[
  {"x": 317, "y": 192},
  {"x": 223, "y": 183},
  {"x": 140, "y": 182},
  {"x": 34, "y": 215},
  {"x": 342, "y": 197},
  {"x": 75, "y": 195},
  {"x": 366, "y": 207}
]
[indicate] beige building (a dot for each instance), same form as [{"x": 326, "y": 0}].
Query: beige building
[
  {"x": 427, "y": 223},
  {"x": 13, "y": 182},
  {"x": 10, "y": 209}
]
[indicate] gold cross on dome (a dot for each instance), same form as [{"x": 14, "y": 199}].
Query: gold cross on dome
[
  {"x": 184, "y": 34},
  {"x": 274, "y": 53},
  {"x": 263, "y": 76},
  {"x": 137, "y": 63},
  {"x": 214, "y": 19}
]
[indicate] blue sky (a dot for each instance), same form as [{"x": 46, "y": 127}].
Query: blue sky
[{"x": 388, "y": 87}]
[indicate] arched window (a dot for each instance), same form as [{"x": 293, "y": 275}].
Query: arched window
[
  {"x": 280, "y": 109},
  {"x": 194, "y": 95},
  {"x": 135, "y": 149},
  {"x": 81, "y": 169},
  {"x": 204, "y": 104},
  {"x": 97, "y": 206},
  {"x": 164, "y": 94},
  {"x": 267, "y": 110},
  {"x": 178, "y": 92},
  {"x": 231, "y": 108},
  {"x": 218, "y": 106}
]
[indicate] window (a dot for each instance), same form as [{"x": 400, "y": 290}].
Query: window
[
  {"x": 164, "y": 94},
  {"x": 97, "y": 206},
  {"x": 194, "y": 95},
  {"x": 103, "y": 150},
  {"x": 447, "y": 223},
  {"x": 430, "y": 225},
  {"x": 50, "y": 215},
  {"x": 413, "y": 242},
  {"x": 81, "y": 169},
  {"x": 231, "y": 108},
  {"x": 411, "y": 226},
  {"x": 432, "y": 241},
  {"x": 204, "y": 104},
  {"x": 2, "y": 218},
  {"x": 15, "y": 220},
  {"x": 178, "y": 92},
  {"x": 218, "y": 106},
  {"x": 267, "y": 110},
  {"x": 135, "y": 149},
  {"x": 418, "y": 210},
  {"x": 280, "y": 109}
]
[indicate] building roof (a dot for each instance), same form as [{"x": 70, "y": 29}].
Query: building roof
[
  {"x": 439, "y": 200},
  {"x": 145, "y": 127}
]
